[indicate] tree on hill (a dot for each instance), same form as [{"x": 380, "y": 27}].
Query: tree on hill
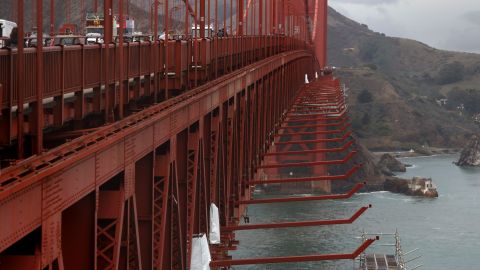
[
  {"x": 451, "y": 73},
  {"x": 368, "y": 50},
  {"x": 470, "y": 99},
  {"x": 365, "y": 96}
]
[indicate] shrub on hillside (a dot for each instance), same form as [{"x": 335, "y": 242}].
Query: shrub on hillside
[
  {"x": 368, "y": 50},
  {"x": 451, "y": 73},
  {"x": 365, "y": 96},
  {"x": 371, "y": 66},
  {"x": 366, "y": 119},
  {"x": 470, "y": 99}
]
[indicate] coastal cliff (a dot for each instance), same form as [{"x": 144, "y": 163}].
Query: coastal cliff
[
  {"x": 470, "y": 156},
  {"x": 389, "y": 164},
  {"x": 369, "y": 172}
]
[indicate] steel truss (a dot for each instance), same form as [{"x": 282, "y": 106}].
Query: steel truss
[{"x": 223, "y": 113}]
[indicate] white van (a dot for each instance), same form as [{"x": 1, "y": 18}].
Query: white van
[{"x": 6, "y": 28}]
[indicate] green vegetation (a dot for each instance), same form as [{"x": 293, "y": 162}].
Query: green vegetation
[
  {"x": 451, "y": 73},
  {"x": 366, "y": 119},
  {"x": 470, "y": 99},
  {"x": 368, "y": 50},
  {"x": 365, "y": 97},
  {"x": 371, "y": 66}
]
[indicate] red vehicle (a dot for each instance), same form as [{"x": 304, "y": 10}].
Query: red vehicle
[{"x": 68, "y": 29}]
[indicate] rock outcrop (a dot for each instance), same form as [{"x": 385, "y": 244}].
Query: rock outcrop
[
  {"x": 470, "y": 156},
  {"x": 389, "y": 164},
  {"x": 369, "y": 172},
  {"x": 416, "y": 186}
]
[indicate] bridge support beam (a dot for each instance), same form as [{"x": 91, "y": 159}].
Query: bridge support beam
[
  {"x": 350, "y": 220},
  {"x": 291, "y": 259}
]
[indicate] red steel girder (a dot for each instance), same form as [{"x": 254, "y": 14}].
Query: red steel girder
[
  {"x": 332, "y": 108},
  {"x": 297, "y": 224},
  {"x": 319, "y": 92},
  {"x": 1, "y": 97},
  {"x": 328, "y": 111},
  {"x": 341, "y": 123},
  {"x": 293, "y": 114},
  {"x": 320, "y": 103},
  {"x": 298, "y": 118},
  {"x": 348, "y": 195},
  {"x": 321, "y": 119},
  {"x": 38, "y": 107},
  {"x": 308, "y": 179},
  {"x": 312, "y": 107},
  {"x": 309, "y": 163},
  {"x": 191, "y": 11},
  {"x": 321, "y": 100},
  {"x": 305, "y": 258},
  {"x": 340, "y": 139},
  {"x": 314, "y": 151},
  {"x": 333, "y": 131},
  {"x": 20, "y": 79}
]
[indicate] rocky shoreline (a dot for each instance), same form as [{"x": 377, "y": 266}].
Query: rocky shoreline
[
  {"x": 470, "y": 156},
  {"x": 378, "y": 170},
  {"x": 418, "y": 153},
  {"x": 416, "y": 186}
]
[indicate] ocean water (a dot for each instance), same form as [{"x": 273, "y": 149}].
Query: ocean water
[{"x": 446, "y": 230}]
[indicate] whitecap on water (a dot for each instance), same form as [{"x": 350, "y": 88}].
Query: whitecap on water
[
  {"x": 373, "y": 192},
  {"x": 412, "y": 166}
]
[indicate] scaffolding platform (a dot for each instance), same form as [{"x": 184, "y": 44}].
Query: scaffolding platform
[{"x": 381, "y": 262}]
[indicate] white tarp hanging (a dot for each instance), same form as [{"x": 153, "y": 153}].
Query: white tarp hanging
[
  {"x": 214, "y": 225},
  {"x": 200, "y": 253}
]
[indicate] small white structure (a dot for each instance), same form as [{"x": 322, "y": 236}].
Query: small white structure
[
  {"x": 442, "y": 101},
  {"x": 200, "y": 253},
  {"x": 214, "y": 235},
  {"x": 93, "y": 38},
  {"x": 306, "y": 79},
  {"x": 6, "y": 28},
  {"x": 422, "y": 184}
]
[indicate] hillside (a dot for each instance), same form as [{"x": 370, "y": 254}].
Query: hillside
[{"x": 395, "y": 85}]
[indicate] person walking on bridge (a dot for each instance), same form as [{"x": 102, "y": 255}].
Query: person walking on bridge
[{"x": 12, "y": 42}]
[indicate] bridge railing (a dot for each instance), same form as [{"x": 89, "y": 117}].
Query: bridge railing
[{"x": 72, "y": 68}]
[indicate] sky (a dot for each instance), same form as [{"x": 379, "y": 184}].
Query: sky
[{"x": 443, "y": 24}]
